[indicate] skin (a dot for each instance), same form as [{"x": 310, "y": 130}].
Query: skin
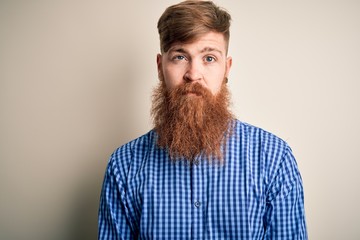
[{"x": 204, "y": 61}]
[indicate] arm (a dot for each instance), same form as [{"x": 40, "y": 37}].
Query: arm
[
  {"x": 112, "y": 222},
  {"x": 285, "y": 215}
]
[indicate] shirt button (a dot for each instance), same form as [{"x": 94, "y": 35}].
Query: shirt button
[
  {"x": 197, "y": 162},
  {"x": 197, "y": 204}
]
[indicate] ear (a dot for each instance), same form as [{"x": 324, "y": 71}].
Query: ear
[
  {"x": 228, "y": 66},
  {"x": 159, "y": 65}
]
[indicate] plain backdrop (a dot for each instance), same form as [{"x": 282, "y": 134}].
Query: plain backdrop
[{"x": 76, "y": 79}]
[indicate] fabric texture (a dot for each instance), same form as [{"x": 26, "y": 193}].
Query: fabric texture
[{"x": 256, "y": 193}]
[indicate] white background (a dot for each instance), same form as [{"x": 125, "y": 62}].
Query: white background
[{"x": 76, "y": 79}]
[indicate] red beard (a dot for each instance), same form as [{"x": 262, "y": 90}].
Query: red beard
[{"x": 190, "y": 121}]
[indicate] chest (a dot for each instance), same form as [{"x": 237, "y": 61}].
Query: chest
[{"x": 201, "y": 201}]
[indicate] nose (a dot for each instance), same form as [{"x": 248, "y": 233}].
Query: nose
[{"x": 193, "y": 72}]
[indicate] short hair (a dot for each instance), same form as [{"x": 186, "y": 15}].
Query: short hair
[{"x": 188, "y": 20}]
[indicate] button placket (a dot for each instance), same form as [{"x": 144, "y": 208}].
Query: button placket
[{"x": 198, "y": 197}]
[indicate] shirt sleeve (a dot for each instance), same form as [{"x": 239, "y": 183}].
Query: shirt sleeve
[
  {"x": 285, "y": 215},
  {"x": 112, "y": 220}
]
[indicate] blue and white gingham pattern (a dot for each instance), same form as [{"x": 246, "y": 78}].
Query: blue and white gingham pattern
[{"x": 256, "y": 194}]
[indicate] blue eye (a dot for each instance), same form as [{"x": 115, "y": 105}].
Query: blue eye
[
  {"x": 209, "y": 59},
  {"x": 179, "y": 57}
]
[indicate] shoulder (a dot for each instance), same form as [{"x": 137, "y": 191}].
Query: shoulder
[
  {"x": 271, "y": 152},
  {"x": 258, "y": 136},
  {"x": 130, "y": 155},
  {"x": 136, "y": 146}
]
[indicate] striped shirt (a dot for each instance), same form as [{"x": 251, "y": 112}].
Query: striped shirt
[{"x": 256, "y": 193}]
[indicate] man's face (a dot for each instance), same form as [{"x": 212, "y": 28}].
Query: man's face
[{"x": 203, "y": 61}]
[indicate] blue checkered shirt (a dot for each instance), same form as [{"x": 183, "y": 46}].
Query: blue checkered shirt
[{"x": 256, "y": 194}]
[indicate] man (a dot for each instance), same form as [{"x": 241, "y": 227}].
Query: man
[{"x": 200, "y": 173}]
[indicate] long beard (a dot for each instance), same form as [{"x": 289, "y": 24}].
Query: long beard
[{"x": 192, "y": 124}]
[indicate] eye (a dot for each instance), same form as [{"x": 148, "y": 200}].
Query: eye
[
  {"x": 179, "y": 57},
  {"x": 209, "y": 59}
]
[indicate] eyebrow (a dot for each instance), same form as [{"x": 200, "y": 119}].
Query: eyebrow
[
  {"x": 204, "y": 50},
  {"x": 210, "y": 49},
  {"x": 179, "y": 49}
]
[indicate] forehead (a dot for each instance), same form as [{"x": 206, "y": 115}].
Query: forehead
[{"x": 211, "y": 41}]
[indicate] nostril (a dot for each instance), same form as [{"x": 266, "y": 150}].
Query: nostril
[{"x": 187, "y": 78}]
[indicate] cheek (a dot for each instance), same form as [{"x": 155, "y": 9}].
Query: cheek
[
  {"x": 216, "y": 82},
  {"x": 172, "y": 78}
]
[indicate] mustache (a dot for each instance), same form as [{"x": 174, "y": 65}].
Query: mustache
[{"x": 193, "y": 88}]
